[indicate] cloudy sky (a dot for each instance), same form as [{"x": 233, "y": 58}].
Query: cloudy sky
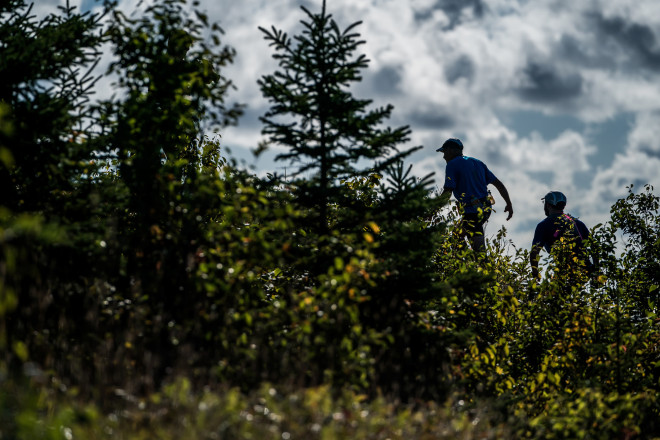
[{"x": 550, "y": 94}]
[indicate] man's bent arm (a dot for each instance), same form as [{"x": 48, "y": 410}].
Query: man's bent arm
[{"x": 505, "y": 195}]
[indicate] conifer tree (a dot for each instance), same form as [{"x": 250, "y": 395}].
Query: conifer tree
[
  {"x": 45, "y": 67},
  {"x": 330, "y": 134},
  {"x": 47, "y": 175},
  {"x": 343, "y": 151}
]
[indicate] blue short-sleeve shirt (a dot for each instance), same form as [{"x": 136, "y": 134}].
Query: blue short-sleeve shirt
[{"x": 468, "y": 178}]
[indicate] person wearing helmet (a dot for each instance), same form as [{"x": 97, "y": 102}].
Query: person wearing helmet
[
  {"x": 468, "y": 179},
  {"x": 558, "y": 226}
]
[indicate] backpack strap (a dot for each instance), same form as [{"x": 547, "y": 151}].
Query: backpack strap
[
  {"x": 574, "y": 224},
  {"x": 572, "y": 220}
]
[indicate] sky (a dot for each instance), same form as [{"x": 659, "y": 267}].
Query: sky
[{"x": 550, "y": 94}]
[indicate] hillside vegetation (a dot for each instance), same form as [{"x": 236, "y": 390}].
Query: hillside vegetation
[{"x": 151, "y": 288}]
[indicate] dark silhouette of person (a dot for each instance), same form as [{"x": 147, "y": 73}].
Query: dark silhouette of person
[
  {"x": 563, "y": 228},
  {"x": 468, "y": 179}
]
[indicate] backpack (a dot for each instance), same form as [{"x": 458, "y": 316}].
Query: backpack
[{"x": 571, "y": 243}]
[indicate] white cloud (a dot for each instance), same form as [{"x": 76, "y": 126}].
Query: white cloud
[
  {"x": 567, "y": 154},
  {"x": 45, "y": 7},
  {"x": 633, "y": 167},
  {"x": 645, "y": 135}
]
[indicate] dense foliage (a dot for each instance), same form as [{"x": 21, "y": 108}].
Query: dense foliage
[{"x": 151, "y": 288}]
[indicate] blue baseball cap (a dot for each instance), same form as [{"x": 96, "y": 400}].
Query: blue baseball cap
[
  {"x": 451, "y": 143},
  {"x": 554, "y": 198}
]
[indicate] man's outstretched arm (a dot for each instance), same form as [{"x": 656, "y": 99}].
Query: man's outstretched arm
[{"x": 505, "y": 195}]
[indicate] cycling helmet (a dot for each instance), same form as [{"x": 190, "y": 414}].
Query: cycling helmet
[{"x": 555, "y": 198}]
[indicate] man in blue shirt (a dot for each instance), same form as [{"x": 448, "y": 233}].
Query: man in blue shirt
[
  {"x": 468, "y": 179},
  {"x": 558, "y": 226}
]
